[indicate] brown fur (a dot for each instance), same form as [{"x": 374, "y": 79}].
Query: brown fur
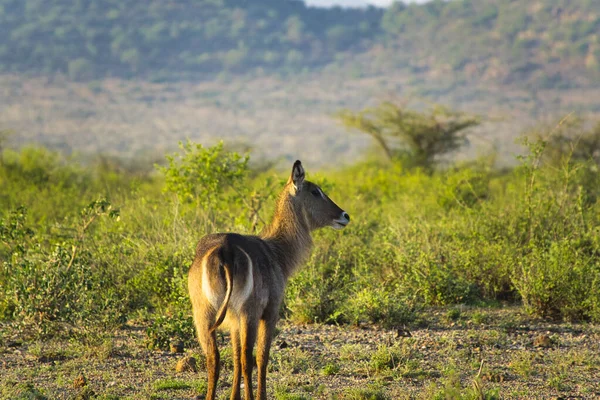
[{"x": 239, "y": 280}]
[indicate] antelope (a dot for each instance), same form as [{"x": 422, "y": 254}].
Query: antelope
[{"x": 239, "y": 280}]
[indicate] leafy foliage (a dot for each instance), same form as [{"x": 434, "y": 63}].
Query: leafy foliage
[
  {"x": 170, "y": 329},
  {"x": 423, "y": 136},
  {"x": 214, "y": 179},
  {"x": 466, "y": 234},
  {"x": 203, "y": 175},
  {"x": 43, "y": 285}
]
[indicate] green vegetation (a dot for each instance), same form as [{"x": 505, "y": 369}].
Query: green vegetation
[
  {"x": 170, "y": 384},
  {"x": 90, "y": 247},
  {"x": 552, "y": 44},
  {"x": 94, "y": 261}
]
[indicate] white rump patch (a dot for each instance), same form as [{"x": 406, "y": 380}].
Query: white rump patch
[
  {"x": 239, "y": 296},
  {"x": 211, "y": 295}
]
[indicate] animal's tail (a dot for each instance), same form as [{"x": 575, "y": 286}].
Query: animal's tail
[{"x": 226, "y": 260}]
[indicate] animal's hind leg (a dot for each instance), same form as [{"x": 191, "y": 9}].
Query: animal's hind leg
[
  {"x": 237, "y": 370},
  {"x": 265, "y": 336},
  {"x": 248, "y": 328},
  {"x": 204, "y": 318}
]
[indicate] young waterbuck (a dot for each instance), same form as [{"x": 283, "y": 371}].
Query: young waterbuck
[{"x": 239, "y": 280}]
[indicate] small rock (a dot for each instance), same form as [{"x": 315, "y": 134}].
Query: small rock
[
  {"x": 186, "y": 364},
  {"x": 80, "y": 381},
  {"x": 403, "y": 333},
  {"x": 542, "y": 341},
  {"x": 177, "y": 347},
  {"x": 51, "y": 358}
]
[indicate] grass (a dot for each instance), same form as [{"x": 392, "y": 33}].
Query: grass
[
  {"x": 429, "y": 279},
  {"x": 522, "y": 364},
  {"x": 170, "y": 384},
  {"x": 438, "y": 361},
  {"x": 330, "y": 369},
  {"x": 293, "y": 361},
  {"x": 372, "y": 393}
]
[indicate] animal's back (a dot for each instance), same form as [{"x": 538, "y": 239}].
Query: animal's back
[{"x": 219, "y": 243}]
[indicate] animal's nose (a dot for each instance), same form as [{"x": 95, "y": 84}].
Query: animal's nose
[{"x": 345, "y": 215}]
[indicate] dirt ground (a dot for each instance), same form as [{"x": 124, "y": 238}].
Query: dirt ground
[{"x": 449, "y": 353}]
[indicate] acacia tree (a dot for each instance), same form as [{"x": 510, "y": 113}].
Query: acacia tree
[{"x": 423, "y": 136}]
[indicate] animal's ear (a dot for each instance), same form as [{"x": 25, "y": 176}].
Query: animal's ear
[{"x": 297, "y": 176}]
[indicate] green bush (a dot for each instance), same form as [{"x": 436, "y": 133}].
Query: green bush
[
  {"x": 379, "y": 304},
  {"x": 463, "y": 235},
  {"x": 559, "y": 282},
  {"x": 60, "y": 282},
  {"x": 202, "y": 175},
  {"x": 316, "y": 293},
  {"x": 165, "y": 330}
]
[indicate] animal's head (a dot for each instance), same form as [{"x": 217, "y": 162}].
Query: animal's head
[{"x": 319, "y": 209}]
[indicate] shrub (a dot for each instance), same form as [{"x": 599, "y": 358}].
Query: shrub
[
  {"x": 379, "y": 304},
  {"x": 60, "y": 282},
  {"x": 203, "y": 175},
  {"x": 559, "y": 282},
  {"x": 167, "y": 329},
  {"x": 316, "y": 292}
]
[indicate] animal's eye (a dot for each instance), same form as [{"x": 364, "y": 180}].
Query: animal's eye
[{"x": 315, "y": 192}]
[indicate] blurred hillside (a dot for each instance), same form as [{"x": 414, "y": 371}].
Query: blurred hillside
[
  {"x": 104, "y": 75},
  {"x": 180, "y": 38},
  {"x": 544, "y": 43}
]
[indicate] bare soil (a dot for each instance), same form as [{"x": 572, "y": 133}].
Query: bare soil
[{"x": 450, "y": 353}]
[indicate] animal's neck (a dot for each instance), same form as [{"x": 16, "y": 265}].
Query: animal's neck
[{"x": 288, "y": 235}]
